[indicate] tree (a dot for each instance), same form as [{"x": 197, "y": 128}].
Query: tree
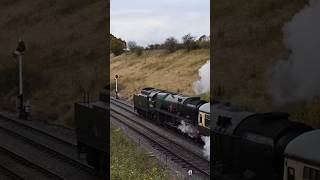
[
  {"x": 117, "y": 45},
  {"x": 203, "y": 42},
  {"x": 204, "y": 38},
  {"x": 132, "y": 46},
  {"x": 189, "y": 42},
  {"x": 171, "y": 44},
  {"x": 153, "y": 46}
]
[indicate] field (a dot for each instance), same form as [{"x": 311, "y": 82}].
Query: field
[
  {"x": 66, "y": 54},
  {"x": 175, "y": 72},
  {"x": 248, "y": 40}
]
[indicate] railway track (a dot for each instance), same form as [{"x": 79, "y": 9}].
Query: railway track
[
  {"x": 38, "y": 130},
  {"x": 43, "y": 150},
  {"x": 16, "y": 167},
  {"x": 177, "y": 153},
  {"x": 183, "y": 140},
  {"x": 130, "y": 108}
]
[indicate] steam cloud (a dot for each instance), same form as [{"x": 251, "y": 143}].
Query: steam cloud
[
  {"x": 206, "y": 147},
  {"x": 188, "y": 129},
  {"x": 298, "y": 78},
  {"x": 203, "y": 84}
]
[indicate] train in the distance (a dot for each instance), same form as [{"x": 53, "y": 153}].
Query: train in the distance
[
  {"x": 262, "y": 146},
  {"x": 173, "y": 109}
]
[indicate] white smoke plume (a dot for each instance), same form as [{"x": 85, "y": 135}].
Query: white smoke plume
[
  {"x": 203, "y": 84},
  {"x": 206, "y": 147},
  {"x": 188, "y": 129},
  {"x": 298, "y": 78}
]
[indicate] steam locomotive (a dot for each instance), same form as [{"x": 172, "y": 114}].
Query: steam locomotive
[
  {"x": 172, "y": 109},
  {"x": 262, "y": 146}
]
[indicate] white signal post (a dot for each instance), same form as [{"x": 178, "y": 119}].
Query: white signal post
[
  {"x": 116, "y": 90},
  {"x": 19, "y": 57},
  {"x": 18, "y": 53}
]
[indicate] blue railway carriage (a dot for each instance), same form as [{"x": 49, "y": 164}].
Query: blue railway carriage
[{"x": 302, "y": 157}]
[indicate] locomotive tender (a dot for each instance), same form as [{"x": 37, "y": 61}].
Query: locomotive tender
[
  {"x": 263, "y": 146},
  {"x": 92, "y": 130},
  {"x": 171, "y": 109}
]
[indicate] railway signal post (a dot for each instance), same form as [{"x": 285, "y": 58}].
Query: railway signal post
[
  {"x": 116, "y": 89},
  {"x": 18, "y": 53}
]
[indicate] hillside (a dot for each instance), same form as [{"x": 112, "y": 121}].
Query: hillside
[
  {"x": 247, "y": 40},
  {"x": 66, "y": 54},
  {"x": 155, "y": 68}
]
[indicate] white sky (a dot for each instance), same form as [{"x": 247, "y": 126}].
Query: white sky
[{"x": 152, "y": 21}]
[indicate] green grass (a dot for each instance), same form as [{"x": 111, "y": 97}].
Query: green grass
[{"x": 128, "y": 161}]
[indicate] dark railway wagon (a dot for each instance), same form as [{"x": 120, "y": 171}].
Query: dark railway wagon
[
  {"x": 92, "y": 129},
  {"x": 252, "y": 144}
]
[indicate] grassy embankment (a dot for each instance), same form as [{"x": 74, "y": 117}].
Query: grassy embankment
[
  {"x": 174, "y": 72},
  {"x": 130, "y": 161},
  {"x": 66, "y": 54},
  {"x": 248, "y": 39}
]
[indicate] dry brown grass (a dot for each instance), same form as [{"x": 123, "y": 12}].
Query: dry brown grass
[
  {"x": 67, "y": 51},
  {"x": 174, "y": 72},
  {"x": 248, "y": 39}
]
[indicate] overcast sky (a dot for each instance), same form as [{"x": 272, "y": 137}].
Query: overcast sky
[{"x": 152, "y": 21}]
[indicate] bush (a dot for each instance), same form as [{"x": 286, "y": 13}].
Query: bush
[
  {"x": 153, "y": 46},
  {"x": 171, "y": 44},
  {"x": 189, "y": 42},
  {"x": 139, "y": 50},
  {"x": 132, "y": 46}
]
